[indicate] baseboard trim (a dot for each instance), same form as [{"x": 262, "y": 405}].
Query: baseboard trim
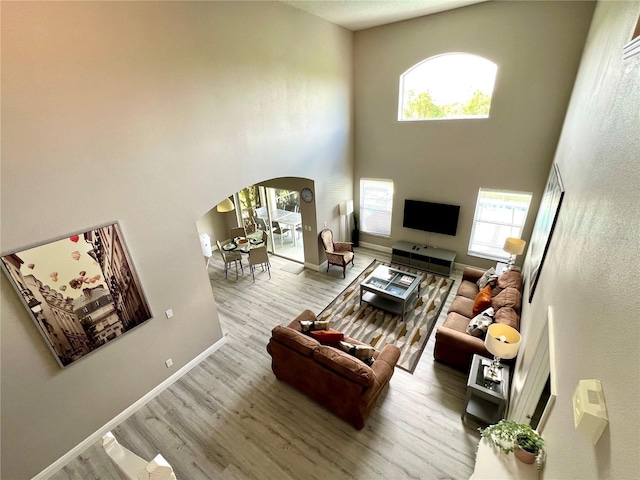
[
  {"x": 373, "y": 246},
  {"x": 118, "y": 419},
  {"x": 312, "y": 266}
]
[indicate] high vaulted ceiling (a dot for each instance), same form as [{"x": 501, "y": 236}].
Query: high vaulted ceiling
[{"x": 361, "y": 14}]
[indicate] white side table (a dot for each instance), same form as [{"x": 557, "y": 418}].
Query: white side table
[{"x": 493, "y": 464}]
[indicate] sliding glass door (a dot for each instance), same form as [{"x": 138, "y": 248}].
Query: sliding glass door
[
  {"x": 283, "y": 209},
  {"x": 276, "y": 211}
]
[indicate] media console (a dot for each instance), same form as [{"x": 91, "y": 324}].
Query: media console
[{"x": 436, "y": 260}]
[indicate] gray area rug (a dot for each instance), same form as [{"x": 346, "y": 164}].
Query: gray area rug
[
  {"x": 292, "y": 267},
  {"x": 377, "y": 327}
]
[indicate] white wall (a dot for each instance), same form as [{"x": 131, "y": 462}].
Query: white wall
[
  {"x": 148, "y": 113},
  {"x": 590, "y": 275},
  {"x": 537, "y": 47}
]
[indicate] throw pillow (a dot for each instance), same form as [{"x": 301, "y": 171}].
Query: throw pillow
[
  {"x": 328, "y": 336},
  {"x": 361, "y": 352},
  {"x": 480, "y": 323},
  {"x": 488, "y": 277},
  {"x": 306, "y": 326},
  {"x": 482, "y": 301}
]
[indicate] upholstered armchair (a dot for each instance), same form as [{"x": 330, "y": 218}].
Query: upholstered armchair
[{"x": 338, "y": 253}]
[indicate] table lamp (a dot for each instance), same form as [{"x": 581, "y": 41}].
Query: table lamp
[
  {"x": 503, "y": 342},
  {"x": 513, "y": 246}
]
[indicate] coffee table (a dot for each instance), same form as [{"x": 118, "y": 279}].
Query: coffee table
[{"x": 390, "y": 289}]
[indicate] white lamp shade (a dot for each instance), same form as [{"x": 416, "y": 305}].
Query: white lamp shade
[
  {"x": 225, "y": 206},
  {"x": 514, "y": 246},
  {"x": 502, "y": 340},
  {"x": 346, "y": 207}
]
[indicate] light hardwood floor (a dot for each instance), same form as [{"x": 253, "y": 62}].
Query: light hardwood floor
[{"x": 230, "y": 418}]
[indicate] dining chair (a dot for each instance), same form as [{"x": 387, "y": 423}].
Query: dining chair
[
  {"x": 237, "y": 232},
  {"x": 228, "y": 258},
  {"x": 259, "y": 256},
  {"x": 250, "y": 228},
  {"x": 261, "y": 224},
  {"x": 278, "y": 229}
]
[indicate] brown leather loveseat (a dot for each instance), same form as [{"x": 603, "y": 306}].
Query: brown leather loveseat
[
  {"x": 340, "y": 382},
  {"x": 454, "y": 346}
]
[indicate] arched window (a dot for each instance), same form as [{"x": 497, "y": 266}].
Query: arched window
[{"x": 452, "y": 85}]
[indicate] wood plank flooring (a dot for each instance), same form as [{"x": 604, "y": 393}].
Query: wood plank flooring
[{"x": 229, "y": 418}]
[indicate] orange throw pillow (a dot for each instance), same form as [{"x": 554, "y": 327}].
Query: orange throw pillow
[
  {"x": 330, "y": 337},
  {"x": 482, "y": 301}
]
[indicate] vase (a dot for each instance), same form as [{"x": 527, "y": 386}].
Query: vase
[
  {"x": 355, "y": 237},
  {"x": 524, "y": 456}
]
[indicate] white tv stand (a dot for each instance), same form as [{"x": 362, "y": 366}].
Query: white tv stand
[{"x": 436, "y": 260}]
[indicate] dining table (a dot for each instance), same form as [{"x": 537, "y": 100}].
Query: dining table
[
  {"x": 236, "y": 245},
  {"x": 289, "y": 219}
]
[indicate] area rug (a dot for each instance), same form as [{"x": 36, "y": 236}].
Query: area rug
[
  {"x": 377, "y": 327},
  {"x": 292, "y": 267}
]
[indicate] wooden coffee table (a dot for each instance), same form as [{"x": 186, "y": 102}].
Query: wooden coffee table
[{"x": 390, "y": 289}]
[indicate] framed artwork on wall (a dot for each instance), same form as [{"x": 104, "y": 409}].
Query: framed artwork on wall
[
  {"x": 543, "y": 228},
  {"x": 81, "y": 290}
]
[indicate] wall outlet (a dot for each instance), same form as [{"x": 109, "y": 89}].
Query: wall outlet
[
  {"x": 168, "y": 363},
  {"x": 169, "y": 313}
]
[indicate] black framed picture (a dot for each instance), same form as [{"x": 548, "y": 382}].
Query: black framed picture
[
  {"x": 543, "y": 228},
  {"x": 81, "y": 290}
]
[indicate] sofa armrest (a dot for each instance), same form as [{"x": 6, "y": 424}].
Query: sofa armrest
[
  {"x": 472, "y": 274},
  {"x": 306, "y": 316},
  {"x": 385, "y": 363},
  {"x": 457, "y": 348}
]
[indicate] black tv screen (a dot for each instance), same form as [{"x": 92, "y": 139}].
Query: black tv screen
[{"x": 431, "y": 217}]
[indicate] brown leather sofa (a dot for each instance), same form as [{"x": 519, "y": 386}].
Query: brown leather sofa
[
  {"x": 454, "y": 346},
  {"x": 340, "y": 382}
]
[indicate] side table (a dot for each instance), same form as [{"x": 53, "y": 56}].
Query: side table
[
  {"x": 501, "y": 268},
  {"x": 493, "y": 464},
  {"x": 486, "y": 400}
]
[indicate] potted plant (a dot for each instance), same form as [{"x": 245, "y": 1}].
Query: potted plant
[{"x": 520, "y": 438}]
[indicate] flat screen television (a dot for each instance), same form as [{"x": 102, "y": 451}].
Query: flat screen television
[{"x": 431, "y": 217}]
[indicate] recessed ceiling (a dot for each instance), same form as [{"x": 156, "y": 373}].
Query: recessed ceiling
[{"x": 360, "y": 14}]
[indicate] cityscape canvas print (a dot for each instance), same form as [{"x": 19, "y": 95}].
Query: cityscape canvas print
[
  {"x": 82, "y": 291},
  {"x": 543, "y": 228}
]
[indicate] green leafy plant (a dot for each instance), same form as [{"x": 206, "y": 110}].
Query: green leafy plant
[{"x": 508, "y": 436}]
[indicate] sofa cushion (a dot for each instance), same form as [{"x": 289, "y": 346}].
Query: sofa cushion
[
  {"x": 463, "y": 306},
  {"x": 509, "y": 297},
  {"x": 344, "y": 364},
  {"x": 456, "y": 322},
  {"x": 307, "y": 326},
  {"x": 510, "y": 278},
  {"x": 328, "y": 336},
  {"x": 480, "y": 323},
  {"x": 482, "y": 301},
  {"x": 487, "y": 277},
  {"x": 507, "y": 316},
  {"x": 467, "y": 289},
  {"x": 361, "y": 352},
  {"x": 295, "y": 340}
]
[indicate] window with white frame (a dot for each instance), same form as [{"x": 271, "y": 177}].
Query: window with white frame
[
  {"x": 448, "y": 86},
  {"x": 376, "y": 203},
  {"x": 499, "y": 214}
]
